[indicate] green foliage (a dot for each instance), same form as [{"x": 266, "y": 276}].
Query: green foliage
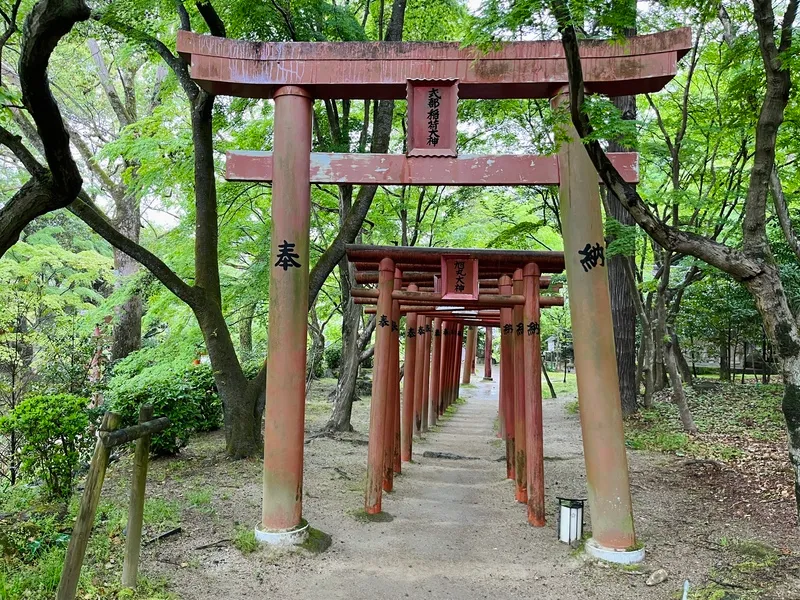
[
  {"x": 28, "y": 539},
  {"x": 160, "y": 513},
  {"x": 333, "y": 356},
  {"x": 725, "y": 415},
  {"x": 54, "y": 431},
  {"x": 187, "y": 395},
  {"x": 245, "y": 540}
]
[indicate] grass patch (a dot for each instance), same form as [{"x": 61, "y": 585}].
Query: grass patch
[
  {"x": 33, "y": 540},
  {"x": 199, "y": 498},
  {"x": 750, "y": 567},
  {"x": 317, "y": 541},
  {"x": 469, "y": 386},
  {"x": 364, "y": 517},
  {"x": 562, "y": 386},
  {"x": 572, "y": 407},
  {"x": 724, "y": 414},
  {"x": 244, "y": 540},
  {"x": 318, "y": 408},
  {"x": 160, "y": 513}
]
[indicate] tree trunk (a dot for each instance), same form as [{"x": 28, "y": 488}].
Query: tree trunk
[
  {"x": 640, "y": 364},
  {"x": 724, "y": 360},
  {"x": 782, "y": 329},
  {"x": 649, "y": 375},
  {"x": 683, "y": 365},
  {"x": 240, "y": 398},
  {"x": 127, "y": 336},
  {"x": 659, "y": 332},
  {"x": 246, "y": 330},
  {"x": 678, "y": 394},
  {"x": 623, "y": 311},
  {"x": 317, "y": 346},
  {"x": 351, "y": 318},
  {"x": 547, "y": 379}
]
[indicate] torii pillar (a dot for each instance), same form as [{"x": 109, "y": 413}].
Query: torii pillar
[
  {"x": 487, "y": 355},
  {"x": 607, "y": 480},
  {"x": 469, "y": 357},
  {"x": 284, "y": 412}
]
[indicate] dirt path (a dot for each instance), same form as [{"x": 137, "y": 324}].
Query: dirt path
[{"x": 455, "y": 529}]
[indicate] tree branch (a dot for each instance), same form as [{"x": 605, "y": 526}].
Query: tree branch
[
  {"x": 125, "y": 119},
  {"x": 782, "y": 210},
  {"x": 14, "y": 143},
  {"x": 730, "y": 260},
  {"x": 210, "y": 16},
  {"x": 177, "y": 64},
  {"x": 89, "y": 213},
  {"x": 47, "y": 23},
  {"x": 183, "y": 16}
]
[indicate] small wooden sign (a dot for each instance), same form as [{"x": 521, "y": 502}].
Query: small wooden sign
[
  {"x": 459, "y": 277},
  {"x": 432, "y": 117}
]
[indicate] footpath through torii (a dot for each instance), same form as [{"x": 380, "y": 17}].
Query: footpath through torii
[
  {"x": 432, "y": 77},
  {"x": 461, "y": 296}
]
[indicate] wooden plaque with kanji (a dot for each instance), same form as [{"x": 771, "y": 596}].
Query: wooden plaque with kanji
[
  {"x": 432, "y": 117},
  {"x": 459, "y": 277}
]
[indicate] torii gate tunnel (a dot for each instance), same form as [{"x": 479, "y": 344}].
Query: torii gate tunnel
[
  {"x": 431, "y": 77},
  {"x": 462, "y": 295}
]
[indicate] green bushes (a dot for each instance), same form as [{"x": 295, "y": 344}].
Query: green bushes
[
  {"x": 187, "y": 396},
  {"x": 54, "y": 433},
  {"x": 333, "y": 356}
]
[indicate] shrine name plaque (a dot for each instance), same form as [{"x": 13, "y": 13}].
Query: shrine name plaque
[
  {"x": 432, "y": 117},
  {"x": 459, "y": 277}
]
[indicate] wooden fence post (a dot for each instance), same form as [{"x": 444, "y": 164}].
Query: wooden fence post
[
  {"x": 73, "y": 560},
  {"x": 133, "y": 538}
]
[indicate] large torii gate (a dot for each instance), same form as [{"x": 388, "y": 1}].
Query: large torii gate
[{"x": 432, "y": 77}]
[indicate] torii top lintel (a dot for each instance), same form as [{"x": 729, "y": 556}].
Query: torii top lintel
[{"x": 381, "y": 70}]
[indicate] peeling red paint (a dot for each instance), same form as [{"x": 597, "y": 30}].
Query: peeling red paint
[
  {"x": 381, "y": 70},
  {"x": 398, "y": 169}
]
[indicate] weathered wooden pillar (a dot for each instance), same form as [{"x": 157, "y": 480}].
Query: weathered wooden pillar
[
  {"x": 472, "y": 367},
  {"x": 459, "y": 346},
  {"x": 436, "y": 367},
  {"x": 284, "y": 412},
  {"x": 469, "y": 358},
  {"x": 133, "y": 532},
  {"x": 520, "y": 443},
  {"x": 593, "y": 340},
  {"x": 487, "y": 356},
  {"x": 533, "y": 396},
  {"x": 378, "y": 412},
  {"x": 447, "y": 366},
  {"x": 409, "y": 379},
  {"x": 430, "y": 399},
  {"x": 393, "y": 391},
  {"x": 507, "y": 374},
  {"x": 419, "y": 380},
  {"x": 87, "y": 509},
  {"x": 426, "y": 374}
]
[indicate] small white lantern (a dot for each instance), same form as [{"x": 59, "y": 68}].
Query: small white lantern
[{"x": 570, "y": 520}]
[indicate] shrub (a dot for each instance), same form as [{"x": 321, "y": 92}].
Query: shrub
[
  {"x": 187, "y": 396},
  {"x": 333, "y": 357},
  {"x": 54, "y": 433}
]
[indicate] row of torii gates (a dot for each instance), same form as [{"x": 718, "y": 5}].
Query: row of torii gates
[
  {"x": 470, "y": 290},
  {"x": 432, "y": 77}
]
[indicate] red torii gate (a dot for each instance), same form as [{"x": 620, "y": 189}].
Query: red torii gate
[{"x": 294, "y": 74}]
